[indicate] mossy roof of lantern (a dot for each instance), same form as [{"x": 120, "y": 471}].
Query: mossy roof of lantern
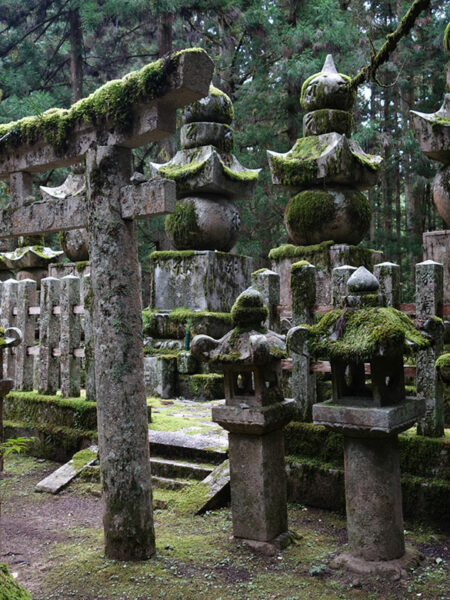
[
  {"x": 207, "y": 169},
  {"x": 364, "y": 334},
  {"x": 114, "y": 103},
  {"x": 317, "y": 159}
]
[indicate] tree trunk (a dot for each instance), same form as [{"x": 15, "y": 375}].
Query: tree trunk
[{"x": 76, "y": 54}]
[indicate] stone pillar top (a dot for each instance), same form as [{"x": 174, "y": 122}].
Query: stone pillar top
[
  {"x": 363, "y": 280},
  {"x": 327, "y": 89}
]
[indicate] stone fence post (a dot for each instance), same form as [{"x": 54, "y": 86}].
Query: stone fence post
[
  {"x": 388, "y": 275},
  {"x": 340, "y": 276},
  {"x": 303, "y": 382},
  {"x": 26, "y": 297},
  {"x": 89, "y": 359},
  {"x": 49, "y": 334},
  {"x": 70, "y": 336},
  {"x": 429, "y": 298},
  {"x": 8, "y": 303},
  {"x": 267, "y": 283}
]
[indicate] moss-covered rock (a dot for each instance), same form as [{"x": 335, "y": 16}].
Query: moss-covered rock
[
  {"x": 10, "y": 589},
  {"x": 366, "y": 333},
  {"x": 442, "y": 366},
  {"x": 216, "y": 108},
  {"x": 182, "y": 226},
  {"x": 327, "y": 120},
  {"x": 317, "y": 215},
  {"x": 327, "y": 89},
  {"x": 206, "y": 386}
]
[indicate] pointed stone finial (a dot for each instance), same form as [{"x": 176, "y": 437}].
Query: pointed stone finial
[
  {"x": 363, "y": 280},
  {"x": 329, "y": 66}
]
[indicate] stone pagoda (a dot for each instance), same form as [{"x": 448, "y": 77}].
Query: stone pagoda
[
  {"x": 193, "y": 287},
  {"x": 432, "y": 132},
  {"x": 327, "y": 172},
  {"x": 369, "y": 411},
  {"x": 254, "y": 414}
]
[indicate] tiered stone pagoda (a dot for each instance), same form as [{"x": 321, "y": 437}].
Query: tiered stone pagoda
[
  {"x": 201, "y": 276},
  {"x": 432, "y": 132},
  {"x": 327, "y": 172},
  {"x": 254, "y": 414},
  {"x": 369, "y": 414}
]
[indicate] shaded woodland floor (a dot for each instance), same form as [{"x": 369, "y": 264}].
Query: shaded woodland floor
[{"x": 53, "y": 544}]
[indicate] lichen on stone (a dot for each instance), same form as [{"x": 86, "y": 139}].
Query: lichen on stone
[{"x": 319, "y": 253}]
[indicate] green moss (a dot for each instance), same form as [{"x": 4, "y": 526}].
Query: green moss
[
  {"x": 31, "y": 240},
  {"x": 171, "y": 254},
  {"x": 81, "y": 458},
  {"x": 443, "y": 362},
  {"x": 114, "y": 104},
  {"x": 307, "y": 212},
  {"x": 370, "y": 161},
  {"x": 10, "y": 589},
  {"x": 182, "y": 225},
  {"x": 249, "y": 310},
  {"x": 365, "y": 333},
  {"x": 207, "y": 386},
  {"x": 81, "y": 265},
  {"x": 40, "y": 251},
  {"x": 33, "y": 408},
  {"x": 182, "y": 172},
  {"x": 245, "y": 175},
  {"x": 441, "y": 121},
  {"x": 318, "y": 253},
  {"x": 299, "y": 167},
  {"x": 218, "y": 108},
  {"x": 298, "y": 265}
]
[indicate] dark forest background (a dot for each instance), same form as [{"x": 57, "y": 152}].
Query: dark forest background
[{"x": 54, "y": 52}]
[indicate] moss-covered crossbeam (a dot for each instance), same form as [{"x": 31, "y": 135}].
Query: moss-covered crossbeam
[{"x": 123, "y": 112}]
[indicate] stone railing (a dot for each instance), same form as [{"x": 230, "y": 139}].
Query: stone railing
[{"x": 57, "y": 334}]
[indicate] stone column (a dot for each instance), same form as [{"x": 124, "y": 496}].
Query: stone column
[
  {"x": 303, "y": 382},
  {"x": 49, "y": 335},
  {"x": 9, "y": 302},
  {"x": 70, "y": 336},
  {"x": 26, "y": 297},
  {"x": 388, "y": 275},
  {"x": 121, "y": 402},
  {"x": 340, "y": 277},
  {"x": 89, "y": 361},
  {"x": 267, "y": 283},
  {"x": 373, "y": 498},
  {"x": 429, "y": 298}
]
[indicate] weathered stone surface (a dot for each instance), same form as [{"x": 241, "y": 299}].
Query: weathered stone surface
[
  {"x": 397, "y": 567},
  {"x": 119, "y": 372},
  {"x": 8, "y": 302},
  {"x": 327, "y": 89},
  {"x": 187, "y": 363},
  {"x": 75, "y": 244},
  {"x": 89, "y": 351},
  {"x": 367, "y": 419},
  {"x": 362, "y": 280},
  {"x": 70, "y": 337},
  {"x": 436, "y": 247},
  {"x": 202, "y": 280},
  {"x": 373, "y": 498},
  {"x": 60, "y": 478},
  {"x": 429, "y": 288},
  {"x": 160, "y": 375},
  {"x": 49, "y": 333},
  {"x": 214, "y": 224},
  {"x": 267, "y": 283},
  {"x": 327, "y": 120},
  {"x": 26, "y": 297},
  {"x": 441, "y": 193},
  {"x": 29, "y": 257},
  {"x": 432, "y": 132},
  {"x": 340, "y": 277},
  {"x": 202, "y": 133},
  {"x": 388, "y": 275}
]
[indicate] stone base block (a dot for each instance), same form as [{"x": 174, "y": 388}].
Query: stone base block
[
  {"x": 325, "y": 257},
  {"x": 160, "y": 374},
  {"x": 200, "y": 280},
  {"x": 436, "y": 246},
  {"x": 397, "y": 567},
  {"x": 270, "y": 548},
  {"x": 60, "y": 270}
]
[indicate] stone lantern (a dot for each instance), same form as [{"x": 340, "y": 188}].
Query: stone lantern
[
  {"x": 254, "y": 413},
  {"x": 369, "y": 411}
]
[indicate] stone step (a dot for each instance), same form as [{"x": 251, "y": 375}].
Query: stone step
[
  {"x": 169, "y": 484},
  {"x": 209, "y": 448},
  {"x": 165, "y": 467}
]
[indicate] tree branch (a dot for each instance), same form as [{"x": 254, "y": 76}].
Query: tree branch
[{"x": 392, "y": 40}]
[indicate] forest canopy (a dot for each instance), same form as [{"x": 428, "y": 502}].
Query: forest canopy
[{"x": 52, "y": 53}]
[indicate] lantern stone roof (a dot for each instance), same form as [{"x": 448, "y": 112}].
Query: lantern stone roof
[{"x": 363, "y": 334}]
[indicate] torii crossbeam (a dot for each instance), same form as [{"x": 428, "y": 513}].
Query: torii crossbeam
[{"x": 109, "y": 211}]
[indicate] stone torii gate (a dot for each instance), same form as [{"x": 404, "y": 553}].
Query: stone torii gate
[{"x": 94, "y": 129}]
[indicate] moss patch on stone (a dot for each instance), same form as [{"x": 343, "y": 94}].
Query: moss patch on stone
[
  {"x": 182, "y": 225},
  {"x": 249, "y": 310},
  {"x": 207, "y": 386},
  {"x": 81, "y": 458},
  {"x": 247, "y": 175},
  {"x": 171, "y": 255},
  {"x": 307, "y": 212},
  {"x": 342, "y": 97},
  {"x": 447, "y": 39},
  {"x": 178, "y": 319},
  {"x": 328, "y": 121},
  {"x": 114, "y": 104},
  {"x": 364, "y": 334},
  {"x": 10, "y": 589},
  {"x": 298, "y": 167}
]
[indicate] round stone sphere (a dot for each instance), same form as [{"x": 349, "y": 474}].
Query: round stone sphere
[
  {"x": 201, "y": 223},
  {"x": 75, "y": 244},
  {"x": 214, "y": 108},
  {"x": 441, "y": 194},
  {"x": 317, "y": 215}
]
